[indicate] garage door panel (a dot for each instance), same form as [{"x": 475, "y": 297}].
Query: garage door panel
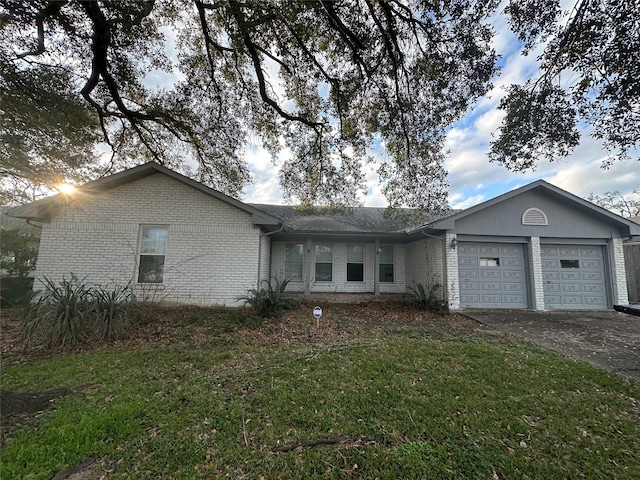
[
  {"x": 514, "y": 300},
  {"x": 471, "y": 262},
  {"x": 574, "y": 277},
  {"x": 492, "y": 275},
  {"x": 569, "y": 276},
  {"x": 488, "y": 250},
  {"x": 467, "y": 249},
  {"x": 513, "y": 287},
  {"x": 513, "y": 274}
]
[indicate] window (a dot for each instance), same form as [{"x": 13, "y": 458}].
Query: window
[
  {"x": 324, "y": 263},
  {"x": 386, "y": 263},
  {"x": 489, "y": 262},
  {"x": 293, "y": 255},
  {"x": 569, "y": 263},
  {"x": 153, "y": 247},
  {"x": 355, "y": 263}
]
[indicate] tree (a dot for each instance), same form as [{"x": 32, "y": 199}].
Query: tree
[
  {"x": 590, "y": 75},
  {"x": 616, "y": 202},
  {"x": 326, "y": 79},
  {"x": 18, "y": 253}
]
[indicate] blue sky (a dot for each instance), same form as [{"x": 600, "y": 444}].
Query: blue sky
[{"x": 472, "y": 177}]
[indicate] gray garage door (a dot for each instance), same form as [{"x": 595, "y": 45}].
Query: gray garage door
[
  {"x": 574, "y": 277},
  {"x": 492, "y": 275}
]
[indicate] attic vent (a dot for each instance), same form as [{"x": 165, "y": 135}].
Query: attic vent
[{"x": 534, "y": 216}]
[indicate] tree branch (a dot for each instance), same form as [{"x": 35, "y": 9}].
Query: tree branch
[{"x": 52, "y": 8}]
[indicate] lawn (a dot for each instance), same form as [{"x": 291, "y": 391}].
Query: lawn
[{"x": 380, "y": 392}]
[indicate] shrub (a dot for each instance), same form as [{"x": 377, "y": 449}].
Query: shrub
[
  {"x": 67, "y": 313},
  {"x": 432, "y": 301},
  {"x": 113, "y": 311},
  {"x": 59, "y": 315},
  {"x": 16, "y": 290},
  {"x": 269, "y": 301}
]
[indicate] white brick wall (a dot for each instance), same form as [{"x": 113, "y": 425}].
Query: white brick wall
[
  {"x": 453, "y": 281},
  {"x": 424, "y": 262},
  {"x": 620, "y": 292},
  {"x": 97, "y": 237},
  {"x": 339, "y": 270},
  {"x": 538, "y": 281}
]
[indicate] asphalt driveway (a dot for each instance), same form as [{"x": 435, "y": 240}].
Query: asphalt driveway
[{"x": 607, "y": 339}]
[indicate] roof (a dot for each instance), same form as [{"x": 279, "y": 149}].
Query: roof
[
  {"x": 41, "y": 209},
  {"x": 348, "y": 220},
  {"x": 16, "y": 223},
  {"x": 448, "y": 223}
]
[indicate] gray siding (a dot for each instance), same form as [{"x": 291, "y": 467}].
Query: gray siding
[{"x": 566, "y": 219}]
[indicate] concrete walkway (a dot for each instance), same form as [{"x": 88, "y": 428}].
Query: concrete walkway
[{"x": 607, "y": 339}]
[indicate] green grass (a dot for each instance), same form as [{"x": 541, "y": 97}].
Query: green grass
[{"x": 392, "y": 403}]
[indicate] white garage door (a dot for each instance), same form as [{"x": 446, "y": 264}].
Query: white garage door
[
  {"x": 574, "y": 277},
  {"x": 492, "y": 275}
]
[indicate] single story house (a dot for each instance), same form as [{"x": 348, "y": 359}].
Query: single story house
[{"x": 174, "y": 239}]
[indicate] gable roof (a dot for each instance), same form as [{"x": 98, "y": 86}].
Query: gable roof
[
  {"x": 41, "y": 209},
  {"x": 448, "y": 223}
]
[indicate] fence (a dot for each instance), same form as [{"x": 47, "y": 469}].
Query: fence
[{"x": 632, "y": 263}]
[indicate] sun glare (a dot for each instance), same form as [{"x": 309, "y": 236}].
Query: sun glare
[{"x": 65, "y": 188}]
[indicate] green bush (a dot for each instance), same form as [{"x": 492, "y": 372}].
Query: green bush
[
  {"x": 269, "y": 301},
  {"x": 16, "y": 290},
  {"x": 432, "y": 300},
  {"x": 113, "y": 311},
  {"x": 60, "y": 313},
  {"x": 67, "y": 313}
]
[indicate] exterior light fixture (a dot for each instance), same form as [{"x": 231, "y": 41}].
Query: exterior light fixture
[{"x": 453, "y": 243}]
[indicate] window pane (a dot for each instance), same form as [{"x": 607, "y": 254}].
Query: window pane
[
  {"x": 324, "y": 272},
  {"x": 489, "y": 262},
  {"x": 324, "y": 253},
  {"x": 569, "y": 263},
  {"x": 386, "y": 272},
  {"x": 293, "y": 255},
  {"x": 151, "y": 269},
  {"x": 355, "y": 253},
  {"x": 386, "y": 254},
  {"x": 293, "y": 252},
  {"x": 154, "y": 241},
  {"x": 355, "y": 272}
]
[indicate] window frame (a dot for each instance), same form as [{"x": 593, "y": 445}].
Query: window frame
[
  {"x": 316, "y": 262},
  {"x": 288, "y": 262},
  {"x": 382, "y": 264},
  {"x": 139, "y": 279}
]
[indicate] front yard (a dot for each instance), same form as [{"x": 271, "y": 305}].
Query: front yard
[{"x": 374, "y": 392}]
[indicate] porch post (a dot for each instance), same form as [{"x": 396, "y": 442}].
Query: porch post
[
  {"x": 376, "y": 267},
  {"x": 309, "y": 265}
]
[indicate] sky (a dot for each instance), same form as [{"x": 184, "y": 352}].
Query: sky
[{"x": 472, "y": 178}]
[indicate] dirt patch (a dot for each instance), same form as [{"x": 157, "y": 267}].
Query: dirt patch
[{"x": 13, "y": 403}]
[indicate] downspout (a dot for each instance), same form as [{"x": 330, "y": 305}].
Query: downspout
[
  {"x": 445, "y": 287},
  {"x": 260, "y": 250},
  {"x": 29, "y": 222}
]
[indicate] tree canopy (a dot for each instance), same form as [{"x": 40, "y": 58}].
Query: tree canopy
[
  {"x": 326, "y": 79},
  {"x": 589, "y": 78}
]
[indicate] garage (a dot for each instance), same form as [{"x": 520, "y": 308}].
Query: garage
[
  {"x": 492, "y": 275},
  {"x": 574, "y": 277}
]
